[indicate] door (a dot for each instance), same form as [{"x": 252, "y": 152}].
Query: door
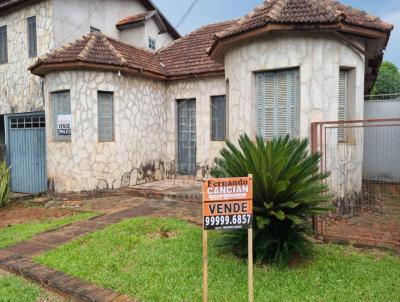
[
  {"x": 26, "y": 153},
  {"x": 187, "y": 137}
]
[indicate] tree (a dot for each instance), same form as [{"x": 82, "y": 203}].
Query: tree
[
  {"x": 287, "y": 191},
  {"x": 388, "y": 80}
]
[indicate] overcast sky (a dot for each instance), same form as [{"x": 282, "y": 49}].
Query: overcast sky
[{"x": 211, "y": 11}]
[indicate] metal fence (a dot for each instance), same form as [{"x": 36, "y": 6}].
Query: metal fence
[{"x": 363, "y": 158}]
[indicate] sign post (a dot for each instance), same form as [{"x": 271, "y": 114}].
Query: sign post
[{"x": 228, "y": 204}]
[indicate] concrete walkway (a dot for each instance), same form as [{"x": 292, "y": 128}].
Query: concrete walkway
[{"x": 18, "y": 258}]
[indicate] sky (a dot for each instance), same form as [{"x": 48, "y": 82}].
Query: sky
[{"x": 211, "y": 11}]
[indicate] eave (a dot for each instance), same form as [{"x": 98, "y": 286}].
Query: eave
[
  {"x": 43, "y": 69},
  {"x": 217, "y": 48}
]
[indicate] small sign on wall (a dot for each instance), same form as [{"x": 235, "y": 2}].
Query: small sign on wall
[{"x": 64, "y": 124}]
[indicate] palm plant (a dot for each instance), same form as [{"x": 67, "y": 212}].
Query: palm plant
[
  {"x": 287, "y": 192},
  {"x": 4, "y": 184}
]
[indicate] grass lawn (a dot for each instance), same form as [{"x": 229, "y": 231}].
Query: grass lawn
[
  {"x": 159, "y": 259},
  {"x": 16, "y": 289},
  {"x": 23, "y": 231}
]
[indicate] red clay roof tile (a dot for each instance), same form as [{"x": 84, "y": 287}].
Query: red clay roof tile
[
  {"x": 135, "y": 19},
  {"x": 188, "y": 55},
  {"x": 97, "y": 48},
  {"x": 304, "y": 12}
]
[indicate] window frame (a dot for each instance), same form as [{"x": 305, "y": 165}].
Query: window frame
[
  {"x": 213, "y": 137},
  {"x": 112, "y": 139},
  {"x": 3, "y": 30},
  {"x": 54, "y": 136},
  {"x": 32, "y": 36},
  {"x": 151, "y": 41},
  {"x": 93, "y": 29}
]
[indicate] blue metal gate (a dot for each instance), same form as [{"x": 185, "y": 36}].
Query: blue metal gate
[{"x": 26, "y": 153}]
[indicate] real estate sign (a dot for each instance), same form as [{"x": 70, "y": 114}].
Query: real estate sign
[
  {"x": 64, "y": 124},
  {"x": 227, "y": 203}
]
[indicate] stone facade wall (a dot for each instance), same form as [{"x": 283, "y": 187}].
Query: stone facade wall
[
  {"x": 137, "y": 153},
  {"x": 20, "y": 91},
  {"x": 319, "y": 60},
  {"x": 201, "y": 89}
]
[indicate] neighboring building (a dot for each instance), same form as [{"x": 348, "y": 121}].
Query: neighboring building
[
  {"x": 139, "y": 115},
  {"x": 30, "y": 29}
]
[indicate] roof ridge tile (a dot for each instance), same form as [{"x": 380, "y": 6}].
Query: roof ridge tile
[
  {"x": 111, "y": 47},
  {"x": 82, "y": 56}
]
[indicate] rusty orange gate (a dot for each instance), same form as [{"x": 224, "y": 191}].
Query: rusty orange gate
[{"x": 363, "y": 158}]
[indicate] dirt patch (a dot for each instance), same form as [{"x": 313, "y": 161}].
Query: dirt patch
[
  {"x": 162, "y": 234},
  {"x": 16, "y": 213}
]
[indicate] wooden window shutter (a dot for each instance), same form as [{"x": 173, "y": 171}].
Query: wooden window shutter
[
  {"x": 105, "y": 116},
  {"x": 342, "y": 102},
  {"x": 3, "y": 45},
  {"x": 277, "y": 103},
  {"x": 32, "y": 38}
]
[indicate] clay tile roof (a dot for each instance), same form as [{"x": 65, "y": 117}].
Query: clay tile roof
[
  {"x": 304, "y": 12},
  {"x": 188, "y": 56},
  {"x": 135, "y": 19},
  {"x": 99, "y": 49}
]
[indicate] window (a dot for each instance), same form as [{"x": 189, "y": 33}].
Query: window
[
  {"x": 3, "y": 45},
  {"x": 218, "y": 118},
  {"x": 61, "y": 110},
  {"x": 342, "y": 103},
  {"x": 32, "y": 39},
  {"x": 105, "y": 116},
  {"x": 277, "y": 103},
  {"x": 25, "y": 122},
  {"x": 152, "y": 43},
  {"x": 94, "y": 29}
]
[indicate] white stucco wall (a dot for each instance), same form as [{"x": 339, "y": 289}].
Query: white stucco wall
[
  {"x": 20, "y": 91},
  {"x": 138, "y": 151},
  {"x": 201, "y": 89},
  {"x": 152, "y": 30},
  {"x": 73, "y": 19},
  {"x": 318, "y": 59}
]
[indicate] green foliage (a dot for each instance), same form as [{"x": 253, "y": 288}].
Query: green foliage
[
  {"x": 287, "y": 192},
  {"x": 388, "y": 80},
  {"x": 24, "y": 231},
  {"x": 135, "y": 257},
  {"x": 4, "y": 184}
]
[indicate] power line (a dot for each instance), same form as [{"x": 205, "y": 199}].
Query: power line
[
  {"x": 83, "y": 22},
  {"x": 186, "y": 14}
]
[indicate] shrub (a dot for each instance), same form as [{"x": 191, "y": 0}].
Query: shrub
[
  {"x": 287, "y": 192},
  {"x": 4, "y": 184}
]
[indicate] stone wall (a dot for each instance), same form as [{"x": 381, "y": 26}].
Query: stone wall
[
  {"x": 137, "y": 153},
  {"x": 319, "y": 60},
  {"x": 201, "y": 89},
  {"x": 20, "y": 91}
]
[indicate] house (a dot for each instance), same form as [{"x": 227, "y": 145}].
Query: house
[
  {"x": 118, "y": 113},
  {"x": 30, "y": 29}
]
